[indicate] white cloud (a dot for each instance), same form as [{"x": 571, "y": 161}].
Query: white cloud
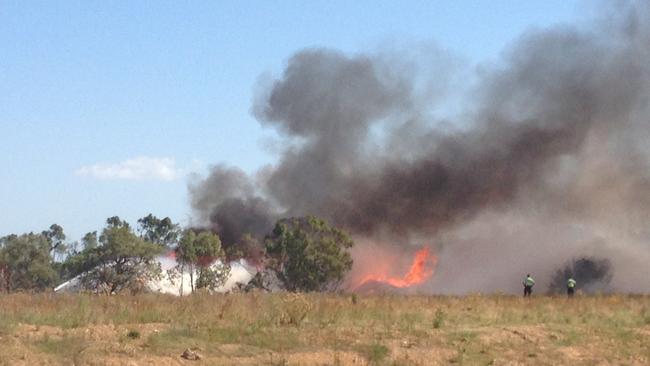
[{"x": 139, "y": 168}]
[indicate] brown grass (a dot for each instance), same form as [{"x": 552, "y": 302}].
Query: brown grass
[{"x": 324, "y": 329}]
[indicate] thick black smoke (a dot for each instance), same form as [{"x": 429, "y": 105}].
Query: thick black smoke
[
  {"x": 227, "y": 200},
  {"x": 560, "y": 124}
]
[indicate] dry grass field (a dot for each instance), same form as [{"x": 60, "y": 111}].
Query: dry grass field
[{"x": 320, "y": 329}]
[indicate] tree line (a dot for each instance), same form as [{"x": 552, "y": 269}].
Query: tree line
[{"x": 300, "y": 254}]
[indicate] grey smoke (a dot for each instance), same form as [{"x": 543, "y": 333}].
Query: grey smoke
[{"x": 556, "y": 132}]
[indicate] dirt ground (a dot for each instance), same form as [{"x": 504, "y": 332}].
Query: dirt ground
[{"x": 323, "y": 330}]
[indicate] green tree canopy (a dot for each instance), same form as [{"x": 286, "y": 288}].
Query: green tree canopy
[
  {"x": 55, "y": 238},
  {"x": 308, "y": 254},
  {"x": 89, "y": 240},
  {"x": 199, "y": 252},
  {"x": 159, "y": 231},
  {"x": 26, "y": 262},
  {"x": 115, "y": 221},
  {"x": 120, "y": 261}
]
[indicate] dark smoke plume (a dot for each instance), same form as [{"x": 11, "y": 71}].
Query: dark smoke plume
[
  {"x": 556, "y": 132},
  {"x": 227, "y": 200},
  {"x": 591, "y": 274}
]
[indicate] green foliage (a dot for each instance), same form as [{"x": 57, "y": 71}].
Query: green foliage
[
  {"x": 26, "y": 262},
  {"x": 198, "y": 248},
  {"x": 308, "y": 255},
  {"x": 133, "y": 334},
  {"x": 208, "y": 247},
  {"x": 121, "y": 261},
  {"x": 159, "y": 231},
  {"x": 186, "y": 255},
  {"x": 186, "y": 251},
  {"x": 37, "y": 261},
  {"x": 55, "y": 238},
  {"x": 115, "y": 221},
  {"x": 212, "y": 277},
  {"x": 200, "y": 251},
  {"x": 89, "y": 240}
]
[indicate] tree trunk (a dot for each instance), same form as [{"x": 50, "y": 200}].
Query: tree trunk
[
  {"x": 192, "y": 277},
  {"x": 182, "y": 277}
]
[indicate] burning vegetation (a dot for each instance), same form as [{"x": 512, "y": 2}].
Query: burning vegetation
[
  {"x": 420, "y": 270},
  {"x": 544, "y": 158}
]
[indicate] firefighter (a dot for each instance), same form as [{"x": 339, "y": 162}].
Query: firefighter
[
  {"x": 570, "y": 286},
  {"x": 529, "y": 282}
]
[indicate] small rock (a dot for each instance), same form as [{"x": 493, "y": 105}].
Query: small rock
[{"x": 188, "y": 354}]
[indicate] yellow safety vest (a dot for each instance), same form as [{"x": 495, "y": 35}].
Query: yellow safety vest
[{"x": 571, "y": 283}]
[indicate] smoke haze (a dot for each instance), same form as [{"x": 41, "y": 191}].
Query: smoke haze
[{"x": 548, "y": 158}]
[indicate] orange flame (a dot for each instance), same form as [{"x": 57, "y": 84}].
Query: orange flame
[{"x": 421, "y": 269}]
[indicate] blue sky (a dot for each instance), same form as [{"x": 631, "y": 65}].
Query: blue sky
[{"x": 106, "y": 107}]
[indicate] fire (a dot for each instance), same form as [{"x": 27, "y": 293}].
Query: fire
[{"x": 421, "y": 269}]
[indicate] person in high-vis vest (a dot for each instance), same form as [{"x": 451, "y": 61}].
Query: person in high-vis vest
[
  {"x": 570, "y": 286},
  {"x": 529, "y": 282}
]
